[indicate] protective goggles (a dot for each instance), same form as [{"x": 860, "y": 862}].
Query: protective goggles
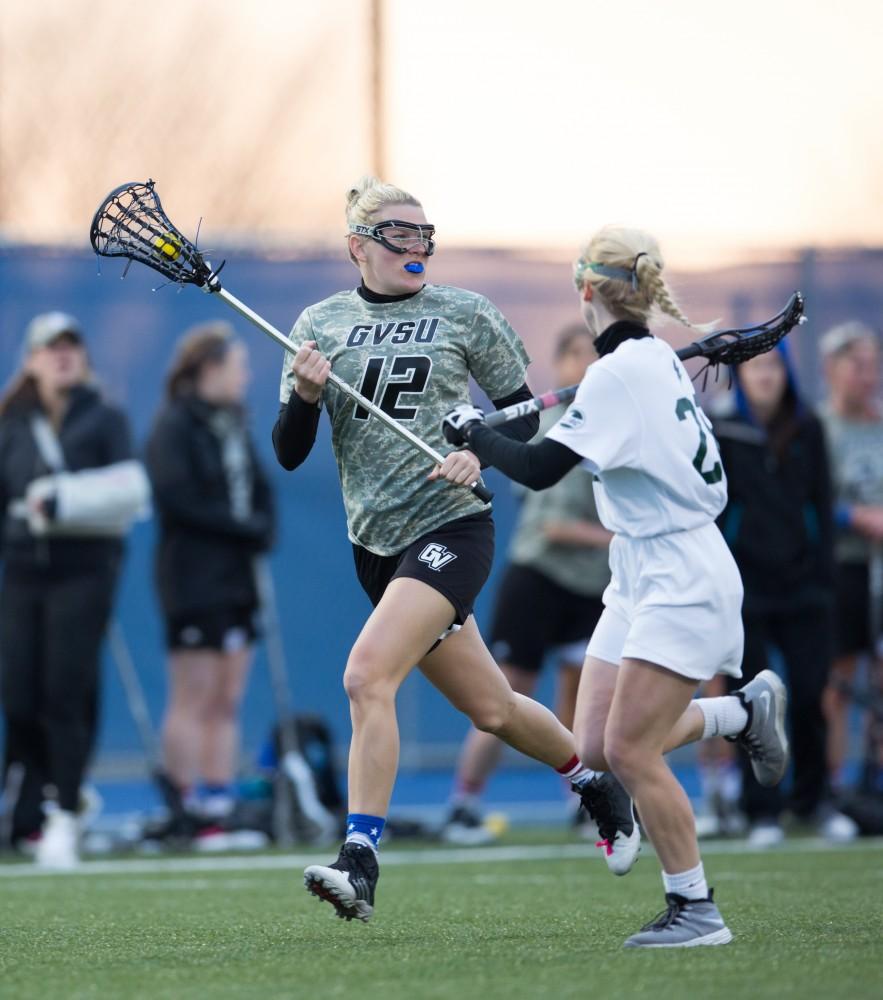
[{"x": 398, "y": 236}]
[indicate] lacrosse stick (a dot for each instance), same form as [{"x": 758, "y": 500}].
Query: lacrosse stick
[
  {"x": 322, "y": 824},
  {"x": 875, "y": 599},
  {"x": 134, "y": 692},
  {"x": 726, "y": 347},
  {"x": 132, "y": 223}
]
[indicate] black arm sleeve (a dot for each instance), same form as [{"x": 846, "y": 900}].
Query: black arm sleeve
[
  {"x": 294, "y": 432},
  {"x": 536, "y": 466},
  {"x": 524, "y": 428}
]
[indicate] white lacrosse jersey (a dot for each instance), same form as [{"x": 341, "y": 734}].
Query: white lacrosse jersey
[{"x": 636, "y": 422}]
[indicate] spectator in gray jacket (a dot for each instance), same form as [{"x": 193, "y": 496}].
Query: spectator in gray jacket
[{"x": 854, "y": 424}]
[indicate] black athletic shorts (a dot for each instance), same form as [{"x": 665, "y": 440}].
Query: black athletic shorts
[
  {"x": 852, "y": 609},
  {"x": 223, "y": 629},
  {"x": 533, "y": 615},
  {"x": 454, "y": 559}
]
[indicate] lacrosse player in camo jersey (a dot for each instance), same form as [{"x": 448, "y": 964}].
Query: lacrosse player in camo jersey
[
  {"x": 671, "y": 614},
  {"x": 422, "y": 542}
]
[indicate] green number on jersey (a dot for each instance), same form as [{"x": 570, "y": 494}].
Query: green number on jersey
[{"x": 716, "y": 473}]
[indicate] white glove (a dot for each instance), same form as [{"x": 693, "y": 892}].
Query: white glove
[{"x": 458, "y": 422}]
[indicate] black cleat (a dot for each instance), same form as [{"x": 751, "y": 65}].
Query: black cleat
[
  {"x": 348, "y": 884},
  {"x": 466, "y": 827},
  {"x": 609, "y": 805}
]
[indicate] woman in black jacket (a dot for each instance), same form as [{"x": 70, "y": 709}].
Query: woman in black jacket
[
  {"x": 778, "y": 523},
  {"x": 69, "y": 489},
  {"x": 215, "y": 516}
]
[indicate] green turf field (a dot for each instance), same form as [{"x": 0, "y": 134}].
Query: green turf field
[{"x": 530, "y": 920}]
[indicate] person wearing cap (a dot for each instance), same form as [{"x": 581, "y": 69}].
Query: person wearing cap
[
  {"x": 854, "y": 424},
  {"x": 69, "y": 490}
]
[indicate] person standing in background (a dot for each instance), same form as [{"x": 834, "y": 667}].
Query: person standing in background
[
  {"x": 215, "y": 514},
  {"x": 549, "y": 599},
  {"x": 70, "y": 489},
  {"x": 778, "y": 525},
  {"x": 854, "y": 424}
]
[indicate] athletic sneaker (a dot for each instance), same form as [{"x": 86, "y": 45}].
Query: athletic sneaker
[
  {"x": 57, "y": 848},
  {"x": 766, "y": 833},
  {"x": 834, "y": 826},
  {"x": 764, "y": 738},
  {"x": 685, "y": 923},
  {"x": 348, "y": 884},
  {"x": 465, "y": 826},
  {"x": 609, "y": 805}
]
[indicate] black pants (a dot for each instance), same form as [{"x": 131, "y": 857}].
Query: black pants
[
  {"x": 804, "y": 639},
  {"x": 51, "y": 630}
]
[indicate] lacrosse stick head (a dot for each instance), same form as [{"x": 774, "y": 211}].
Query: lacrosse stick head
[
  {"x": 132, "y": 223},
  {"x": 732, "y": 347}
]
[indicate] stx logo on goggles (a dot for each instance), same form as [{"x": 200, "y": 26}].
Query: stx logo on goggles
[{"x": 398, "y": 236}]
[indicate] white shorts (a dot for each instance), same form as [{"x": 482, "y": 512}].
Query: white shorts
[{"x": 674, "y": 600}]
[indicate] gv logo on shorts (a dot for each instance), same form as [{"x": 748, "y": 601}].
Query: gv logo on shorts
[{"x": 436, "y": 556}]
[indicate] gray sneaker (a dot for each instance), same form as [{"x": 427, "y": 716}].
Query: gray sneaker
[
  {"x": 685, "y": 923},
  {"x": 764, "y": 737}
]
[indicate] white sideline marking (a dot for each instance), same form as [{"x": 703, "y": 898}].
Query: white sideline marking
[{"x": 393, "y": 858}]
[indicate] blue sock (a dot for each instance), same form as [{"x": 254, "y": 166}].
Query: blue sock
[
  {"x": 206, "y": 789},
  {"x": 364, "y": 829}
]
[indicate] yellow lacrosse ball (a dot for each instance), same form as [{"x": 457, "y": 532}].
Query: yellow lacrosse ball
[
  {"x": 497, "y": 823},
  {"x": 168, "y": 244}
]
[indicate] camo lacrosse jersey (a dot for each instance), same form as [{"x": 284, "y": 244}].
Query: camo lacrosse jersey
[{"x": 413, "y": 359}]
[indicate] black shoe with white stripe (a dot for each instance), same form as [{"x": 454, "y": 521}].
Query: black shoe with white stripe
[
  {"x": 348, "y": 884},
  {"x": 610, "y": 806}
]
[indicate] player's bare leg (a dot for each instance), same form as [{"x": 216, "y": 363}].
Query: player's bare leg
[
  {"x": 648, "y": 702},
  {"x": 479, "y": 758},
  {"x": 464, "y": 671},
  {"x": 727, "y": 714},
  {"x": 406, "y": 622}
]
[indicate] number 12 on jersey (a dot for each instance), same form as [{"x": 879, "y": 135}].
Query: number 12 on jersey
[
  {"x": 716, "y": 473},
  {"x": 408, "y": 373}
]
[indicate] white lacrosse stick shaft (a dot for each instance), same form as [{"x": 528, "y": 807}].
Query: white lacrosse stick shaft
[{"x": 283, "y": 341}]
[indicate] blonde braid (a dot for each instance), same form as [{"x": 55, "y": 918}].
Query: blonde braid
[
  {"x": 636, "y": 253},
  {"x": 659, "y": 294}
]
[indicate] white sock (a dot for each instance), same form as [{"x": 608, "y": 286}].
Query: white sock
[
  {"x": 579, "y": 774},
  {"x": 467, "y": 800},
  {"x": 361, "y": 838},
  {"x": 689, "y": 884},
  {"x": 584, "y": 776},
  {"x": 723, "y": 716}
]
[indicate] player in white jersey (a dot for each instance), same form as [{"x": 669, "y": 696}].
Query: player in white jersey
[
  {"x": 672, "y": 608},
  {"x": 422, "y": 542}
]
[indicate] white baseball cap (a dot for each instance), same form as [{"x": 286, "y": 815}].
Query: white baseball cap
[
  {"x": 842, "y": 337},
  {"x": 47, "y": 327}
]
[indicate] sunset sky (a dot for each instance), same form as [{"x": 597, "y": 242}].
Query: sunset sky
[
  {"x": 719, "y": 125},
  {"x": 726, "y": 129}
]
